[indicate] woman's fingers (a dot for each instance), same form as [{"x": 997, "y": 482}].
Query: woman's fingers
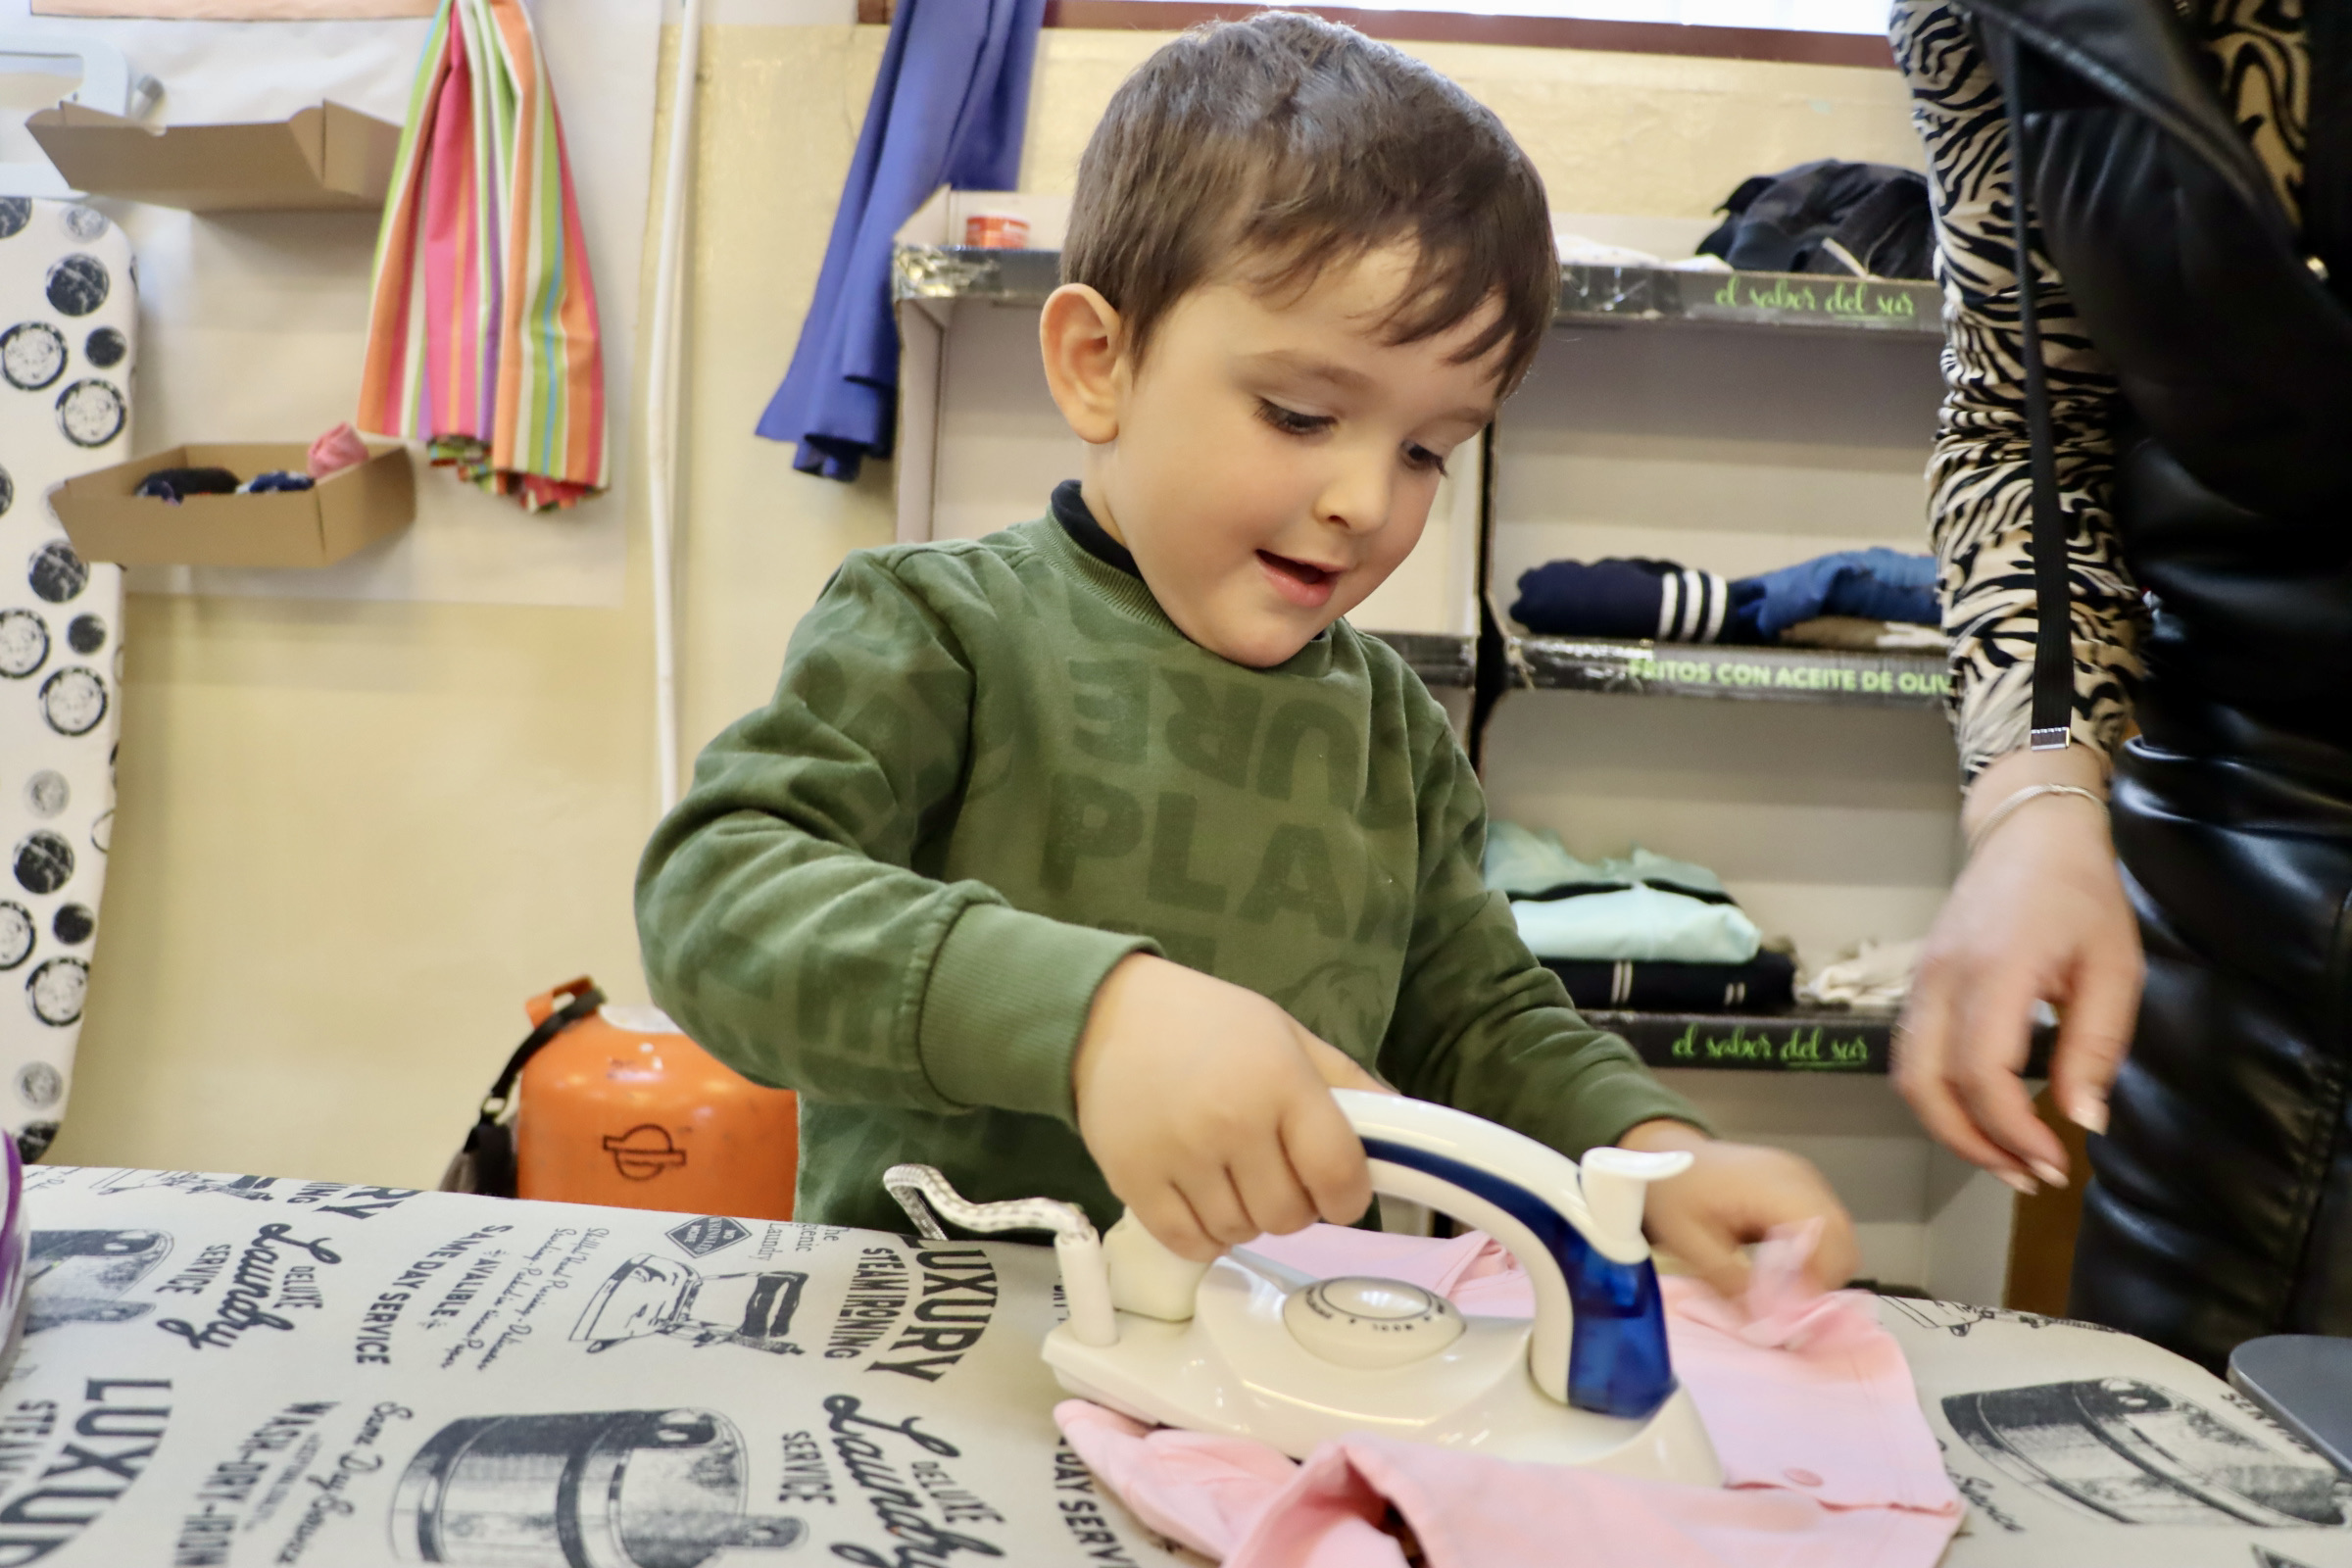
[
  {"x": 1993, "y": 1030},
  {"x": 2095, "y": 1035},
  {"x": 1922, "y": 1046}
]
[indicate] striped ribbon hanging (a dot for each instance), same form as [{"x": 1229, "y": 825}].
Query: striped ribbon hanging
[{"x": 483, "y": 329}]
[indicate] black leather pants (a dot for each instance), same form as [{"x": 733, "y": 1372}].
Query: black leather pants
[{"x": 2221, "y": 1206}]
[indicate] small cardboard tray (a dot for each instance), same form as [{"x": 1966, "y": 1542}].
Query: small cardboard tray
[
  {"x": 316, "y": 528},
  {"x": 324, "y": 158}
]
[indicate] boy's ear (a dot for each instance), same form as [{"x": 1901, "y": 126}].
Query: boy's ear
[{"x": 1083, "y": 343}]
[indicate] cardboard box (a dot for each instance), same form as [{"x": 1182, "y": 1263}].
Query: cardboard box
[
  {"x": 327, "y": 158},
  {"x": 313, "y": 527}
]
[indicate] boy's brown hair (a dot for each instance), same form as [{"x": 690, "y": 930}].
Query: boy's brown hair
[{"x": 1271, "y": 149}]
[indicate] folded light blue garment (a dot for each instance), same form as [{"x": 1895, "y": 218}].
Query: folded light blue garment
[
  {"x": 1529, "y": 863},
  {"x": 1638, "y": 924},
  {"x": 1627, "y": 907}
]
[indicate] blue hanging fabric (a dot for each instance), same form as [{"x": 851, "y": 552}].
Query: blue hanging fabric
[{"x": 949, "y": 106}]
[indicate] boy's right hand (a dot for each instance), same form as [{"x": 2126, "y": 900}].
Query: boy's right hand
[{"x": 1208, "y": 1110}]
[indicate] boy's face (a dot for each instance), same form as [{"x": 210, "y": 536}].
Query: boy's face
[{"x": 1274, "y": 459}]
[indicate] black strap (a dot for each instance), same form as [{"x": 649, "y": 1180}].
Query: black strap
[
  {"x": 2053, "y": 603},
  {"x": 2327, "y": 142},
  {"x": 585, "y": 1000}
]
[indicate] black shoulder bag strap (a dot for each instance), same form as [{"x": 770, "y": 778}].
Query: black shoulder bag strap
[
  {"x": 486, "y": 1162},
  {"x": 2053, "y": 600}
]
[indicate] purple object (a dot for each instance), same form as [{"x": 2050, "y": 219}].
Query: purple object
[{"x": 15, "y": 1233}]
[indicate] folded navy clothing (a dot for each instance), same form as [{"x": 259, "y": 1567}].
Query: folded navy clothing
[
  {"x": 170, "y": 484},
  {"x": 1763, "y": 984},
  {"x": 1622, "y": 597},
  {"x": 1632, "y": 597}
]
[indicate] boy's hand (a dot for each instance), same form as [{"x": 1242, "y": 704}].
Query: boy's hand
[
  {"x": 1733, "y": 1194},
  {"x": 1209, "y": 1111}
]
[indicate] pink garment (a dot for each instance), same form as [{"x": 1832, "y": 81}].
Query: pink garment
[
  {"x": 1828, "y": 1462},
  {"x": 339, "y": 448}
]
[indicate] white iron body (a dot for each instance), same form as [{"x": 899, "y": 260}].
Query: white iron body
[
  {"x": 1234, "y": 1367},
  {"x": 1248, "y": 1348}
]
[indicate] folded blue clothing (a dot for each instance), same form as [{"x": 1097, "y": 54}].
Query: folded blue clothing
[
  {"x": 1640, "y": 907},
  {"x": 1874, "y": 584},
  {"x": 1633, "y": 597}
]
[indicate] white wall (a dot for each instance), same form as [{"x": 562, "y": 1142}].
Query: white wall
[{"x": 353, "y": 837}]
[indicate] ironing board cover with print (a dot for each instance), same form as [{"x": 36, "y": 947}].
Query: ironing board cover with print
[{"x": 67, "y": 320}]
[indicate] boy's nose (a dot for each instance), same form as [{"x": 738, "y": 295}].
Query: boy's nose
[{"x": 1357, "y": 495}]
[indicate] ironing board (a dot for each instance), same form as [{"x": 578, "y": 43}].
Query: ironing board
[
  {"x": 68, "y": 325},
  {"x": 328, "y": 1376}
]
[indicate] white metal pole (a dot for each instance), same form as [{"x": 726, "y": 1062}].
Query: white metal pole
[{"x": 662, "y": 395}]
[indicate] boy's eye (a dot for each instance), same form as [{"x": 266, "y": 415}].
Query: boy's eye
[
  {"x": 1420, "y": 456},
  {"x": 1290, "y": 421}
]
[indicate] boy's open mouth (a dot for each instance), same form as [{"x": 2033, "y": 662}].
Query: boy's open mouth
[{"x": 1296, "y": 580}]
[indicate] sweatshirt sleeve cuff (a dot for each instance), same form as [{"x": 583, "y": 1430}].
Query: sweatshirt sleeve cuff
[
  {"x": 1607, "y": 1109},
  {"x": 1006, "y": 1004}
]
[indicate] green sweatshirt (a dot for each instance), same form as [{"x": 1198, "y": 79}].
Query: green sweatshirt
[{"x": 993, "y": 769}]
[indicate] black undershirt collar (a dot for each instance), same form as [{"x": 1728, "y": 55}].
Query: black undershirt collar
[{"x": 1077, "y": 520}]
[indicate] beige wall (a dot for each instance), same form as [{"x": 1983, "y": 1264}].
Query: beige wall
[{"x": 353, "y": 837}]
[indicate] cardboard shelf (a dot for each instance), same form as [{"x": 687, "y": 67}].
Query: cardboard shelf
[
  {"x": 1591, "y": 295},
  {"x": 325, "y": 157},
  {"x": 1821, "y": 1040},
  {"x": 1803, "y": 302},
  {"x": 1438, "y": 659},
  {"x": 340, "y": 514},
  {"x": 1741, "y": 674}
]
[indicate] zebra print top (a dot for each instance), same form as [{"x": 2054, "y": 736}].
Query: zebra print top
[{"x": 1979, "y": 488}]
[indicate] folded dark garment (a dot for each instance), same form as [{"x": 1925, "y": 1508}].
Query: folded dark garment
[
  {"x": 170, "y": 484},
  {"x": 1623, "y": 596},
  {"x": 1765, "y": 982},
  {"x": 1638, "y": 598},
  {"x": 1829, "y": 217},
  {"x": 262, "y": 484}
]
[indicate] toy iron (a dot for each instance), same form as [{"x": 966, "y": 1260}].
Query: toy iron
[{"x": 1247, "y": 1346}]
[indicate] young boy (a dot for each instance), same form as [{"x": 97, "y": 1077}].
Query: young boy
[{"x": 1081, "y": 859}]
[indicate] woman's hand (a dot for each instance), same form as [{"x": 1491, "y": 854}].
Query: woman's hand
[{"x": 2037, "y": 914}]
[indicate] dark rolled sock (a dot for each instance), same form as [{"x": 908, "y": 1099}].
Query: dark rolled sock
[{"x": 173, "y": 484}]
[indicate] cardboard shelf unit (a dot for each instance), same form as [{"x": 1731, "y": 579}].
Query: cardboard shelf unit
[
  {"x": 324, "y": 158},
  {"x": 1805, "y": 1040},
  {"x": 1603, "y": 295},
  {"x": 1741, "y": 674}
]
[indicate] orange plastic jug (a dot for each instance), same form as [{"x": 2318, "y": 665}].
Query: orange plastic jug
[{"x": 621, "y": 1108}]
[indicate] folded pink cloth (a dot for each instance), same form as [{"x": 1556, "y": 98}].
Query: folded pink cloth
[
  {"x": 1828, "y": 1462},
  {"x": 339, "y": 448},
  {"x": 1248, "y": 1507}
]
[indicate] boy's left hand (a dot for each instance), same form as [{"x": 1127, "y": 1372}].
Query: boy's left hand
[{"x": 1733, "y": 1195}]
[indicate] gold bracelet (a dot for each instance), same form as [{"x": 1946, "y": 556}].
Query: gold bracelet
[{"x": 2001, "y": 812}]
